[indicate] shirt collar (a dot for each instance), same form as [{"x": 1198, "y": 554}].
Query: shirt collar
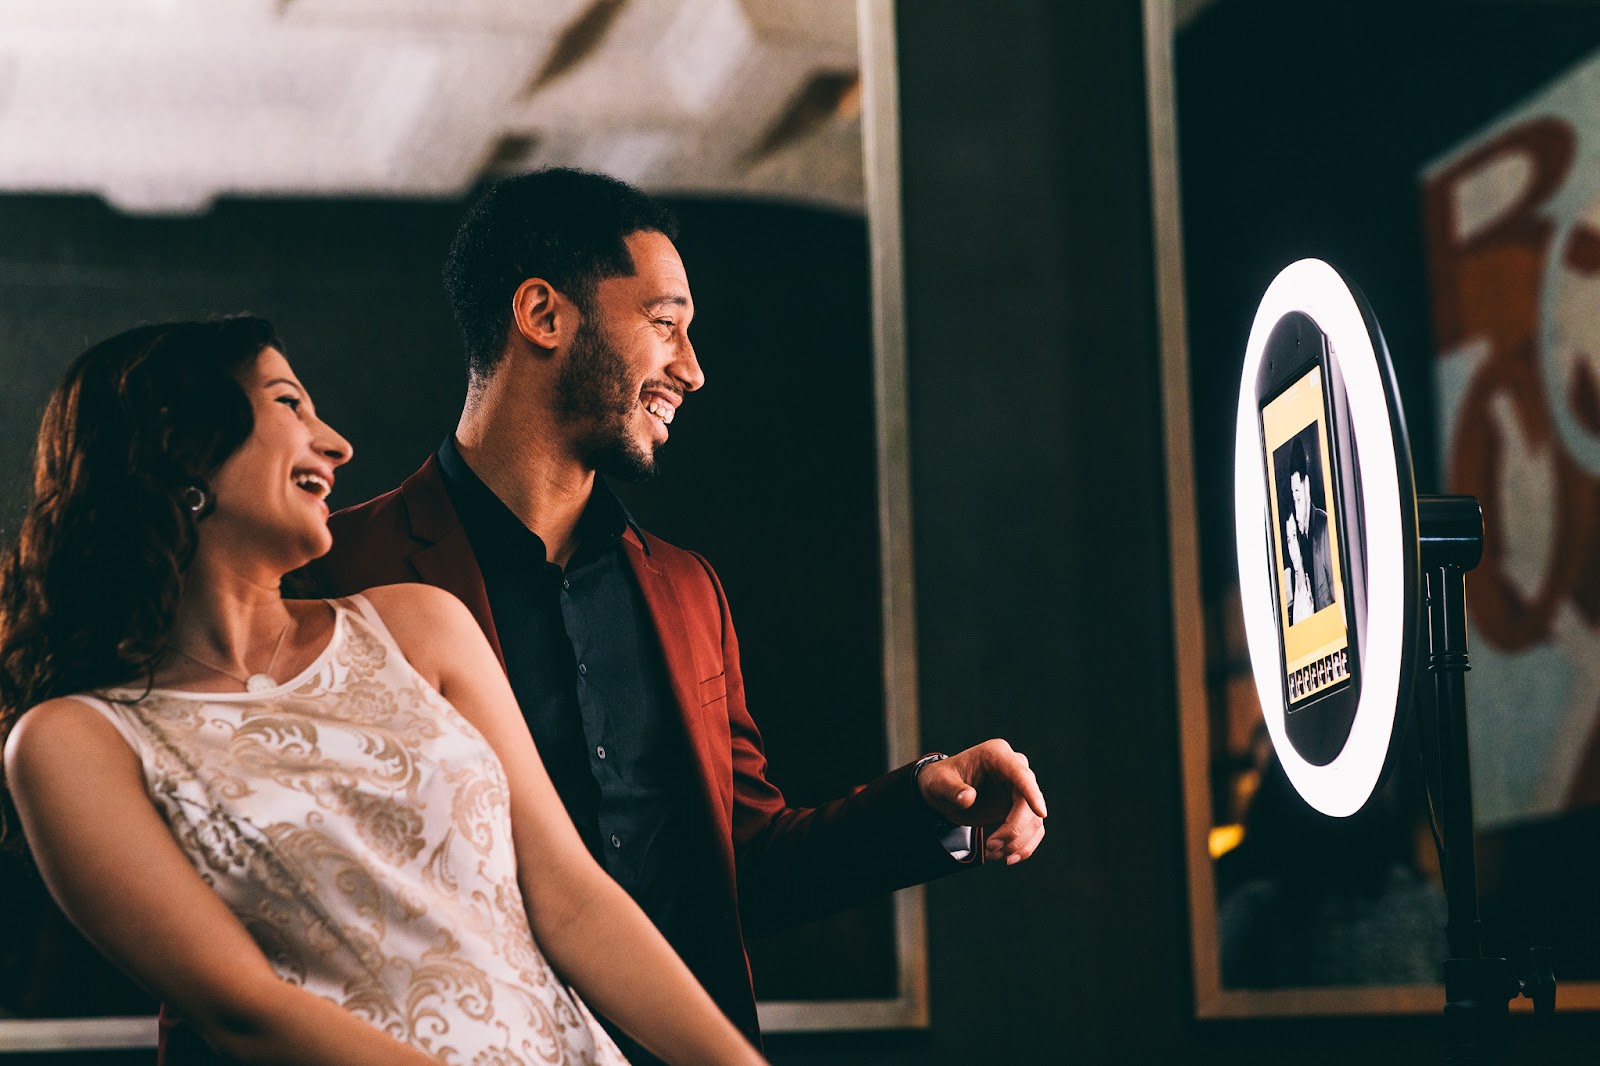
[{"x": 493, "y": 528}]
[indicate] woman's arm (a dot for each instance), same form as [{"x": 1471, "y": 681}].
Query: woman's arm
[
  {"x": 573, "y": 906},
  {"x": 110, "y": 861}
]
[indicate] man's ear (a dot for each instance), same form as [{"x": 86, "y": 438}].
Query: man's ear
[{"x": 542, "y": 315}]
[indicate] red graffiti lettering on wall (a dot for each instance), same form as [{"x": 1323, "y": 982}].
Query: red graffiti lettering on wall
[{"x": 1504, "y": 271}]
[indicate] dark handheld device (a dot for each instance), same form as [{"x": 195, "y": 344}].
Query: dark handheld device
[{"x": 1313, "y": 535}]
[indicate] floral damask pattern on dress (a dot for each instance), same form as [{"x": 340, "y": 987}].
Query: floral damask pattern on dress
[{"x": 359, "y": 828}]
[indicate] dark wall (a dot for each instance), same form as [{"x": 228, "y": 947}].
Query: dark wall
[{"x": 1040, "y": 536}]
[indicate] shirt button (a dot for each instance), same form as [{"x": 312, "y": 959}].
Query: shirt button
[
  {"x": 616, "y": 841},
  {"x": 566, "y": 584},
  {"x": 600, "y": 751},
  {"x": 582, "y": 669}
]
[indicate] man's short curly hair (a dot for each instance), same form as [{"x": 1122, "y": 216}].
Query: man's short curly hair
[
  {"x": 565, "y": 226},
  {"x": 1297, "y": 460}
]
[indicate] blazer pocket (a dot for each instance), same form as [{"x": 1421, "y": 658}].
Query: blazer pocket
[{"x": 713, "y": 689}]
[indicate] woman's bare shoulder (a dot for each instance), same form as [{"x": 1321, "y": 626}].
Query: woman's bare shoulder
[
  {"x": 62, "y": 730},
  {"x": 432, "y": 627},
  {"x": 412, "y": 599},
  {"x": 56, "y": 717}
]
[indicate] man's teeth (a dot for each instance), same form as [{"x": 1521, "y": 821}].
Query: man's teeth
[
  {"x": 313, "y": 483},
  {"x": 661, "y": 410}
]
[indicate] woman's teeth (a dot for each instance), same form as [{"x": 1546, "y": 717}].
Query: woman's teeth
[{"x": 315, "y": 484}]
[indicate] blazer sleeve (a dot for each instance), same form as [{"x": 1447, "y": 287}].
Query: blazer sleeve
[{"x": 794, "y": 864}]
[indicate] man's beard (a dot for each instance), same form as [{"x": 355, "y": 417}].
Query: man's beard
[{"x": 593, "y": 387}]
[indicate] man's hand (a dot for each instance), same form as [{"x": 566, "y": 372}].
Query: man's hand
[{"x": 990, "y": 786}]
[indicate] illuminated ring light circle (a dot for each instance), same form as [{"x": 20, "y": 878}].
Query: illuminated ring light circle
[{"x": 1388, "y": 512}]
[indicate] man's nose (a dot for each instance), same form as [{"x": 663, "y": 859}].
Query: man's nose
[{"x": 685, "y": 368}]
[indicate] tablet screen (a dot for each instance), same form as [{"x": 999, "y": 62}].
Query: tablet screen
[{"x": 1312, "y": 621}]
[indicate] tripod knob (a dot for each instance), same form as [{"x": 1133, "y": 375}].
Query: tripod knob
[{"x": 1538, "y": 981}]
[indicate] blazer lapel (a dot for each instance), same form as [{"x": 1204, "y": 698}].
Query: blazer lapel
[
  {"x": 683, "y": 671},
  {"x": 446, "y": 559},
  {"x": 450, "y": 565}
]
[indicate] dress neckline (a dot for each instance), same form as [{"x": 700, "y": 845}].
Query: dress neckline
[{"x": 315, "y": 666}]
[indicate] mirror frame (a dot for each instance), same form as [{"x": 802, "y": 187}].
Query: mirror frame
[
  {"x": 1162, "y": 19},
  {"x": 909, "y": 1008},
  {"x": 880, "y": 137}
]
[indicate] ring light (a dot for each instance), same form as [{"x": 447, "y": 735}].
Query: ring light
[{"x": 1317, "y": 382}]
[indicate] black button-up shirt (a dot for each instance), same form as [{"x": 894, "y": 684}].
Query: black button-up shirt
[{"x": 586, "y": 666}]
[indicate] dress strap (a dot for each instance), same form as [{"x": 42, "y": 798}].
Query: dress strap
[{"x": 369, "y": 614}]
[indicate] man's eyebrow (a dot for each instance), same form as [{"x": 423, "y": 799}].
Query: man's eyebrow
[{"x": 659, "y": 301}]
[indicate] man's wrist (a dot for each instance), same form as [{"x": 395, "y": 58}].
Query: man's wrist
[
  {"x": 957, "y": 840},
  {"x": 927, "y": 760},
  {"x": 916, "y": 785},
  {"x": 938, "y": 822}
]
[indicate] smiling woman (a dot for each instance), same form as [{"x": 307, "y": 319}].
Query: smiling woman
[
  {"x": 245, "y": 801},
  {"x": 290, "y": 449},
  {"x": 90, "y": 588}
]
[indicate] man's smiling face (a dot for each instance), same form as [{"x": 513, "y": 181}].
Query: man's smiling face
[{"x": 631, "y": 362}]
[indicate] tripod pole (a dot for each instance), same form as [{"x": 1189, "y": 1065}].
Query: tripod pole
[
  {"x": 1447, "y": 662},
  {"x": 1476, "y": 988}
]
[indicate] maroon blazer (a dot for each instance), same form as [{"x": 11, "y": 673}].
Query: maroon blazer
[{"x": 778, "y": 865}]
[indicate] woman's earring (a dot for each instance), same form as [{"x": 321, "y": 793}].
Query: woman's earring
[{"x": 194, "y": 498}]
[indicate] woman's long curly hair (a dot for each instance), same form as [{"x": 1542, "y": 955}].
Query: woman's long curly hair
[{"x": 90, "y": 584}]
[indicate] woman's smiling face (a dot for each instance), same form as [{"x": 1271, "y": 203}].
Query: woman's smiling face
[{"x": 271, "y": 494}]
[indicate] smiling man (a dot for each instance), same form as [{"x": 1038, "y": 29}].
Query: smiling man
[{"x": 575, "y": 309}]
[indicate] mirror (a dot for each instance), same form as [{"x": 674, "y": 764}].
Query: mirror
[
  {"x": 319, "y": 184},
  {"x": 1442, "y": 156}
]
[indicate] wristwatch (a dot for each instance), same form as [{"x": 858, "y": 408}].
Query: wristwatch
[{"x": 938, "y": 821}]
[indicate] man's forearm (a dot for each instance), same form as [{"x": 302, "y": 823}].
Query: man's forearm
[{"x": 799, "y": 865}]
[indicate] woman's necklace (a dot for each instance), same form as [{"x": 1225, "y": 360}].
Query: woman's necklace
[{"x": 255, "y": 682}]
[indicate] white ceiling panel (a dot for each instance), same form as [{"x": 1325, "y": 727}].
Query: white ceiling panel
[
  {"x": 541, "y": 17},
  {"x": 163, "y": 105},
  {"x": 102, "y": 15}
]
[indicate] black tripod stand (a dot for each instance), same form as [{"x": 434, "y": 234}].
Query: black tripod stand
[{"x": 1477, "y": 989}]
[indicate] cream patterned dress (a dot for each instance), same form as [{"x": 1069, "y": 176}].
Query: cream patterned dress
[{"x": 359, "y": 827}]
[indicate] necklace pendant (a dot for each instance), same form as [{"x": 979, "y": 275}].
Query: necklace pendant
[{"x": 260, "y": 682}]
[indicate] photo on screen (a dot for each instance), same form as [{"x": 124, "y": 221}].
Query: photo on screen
[
  {"x": 1307, "y": 584},
  {"x": 1305, "y": 540}
]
